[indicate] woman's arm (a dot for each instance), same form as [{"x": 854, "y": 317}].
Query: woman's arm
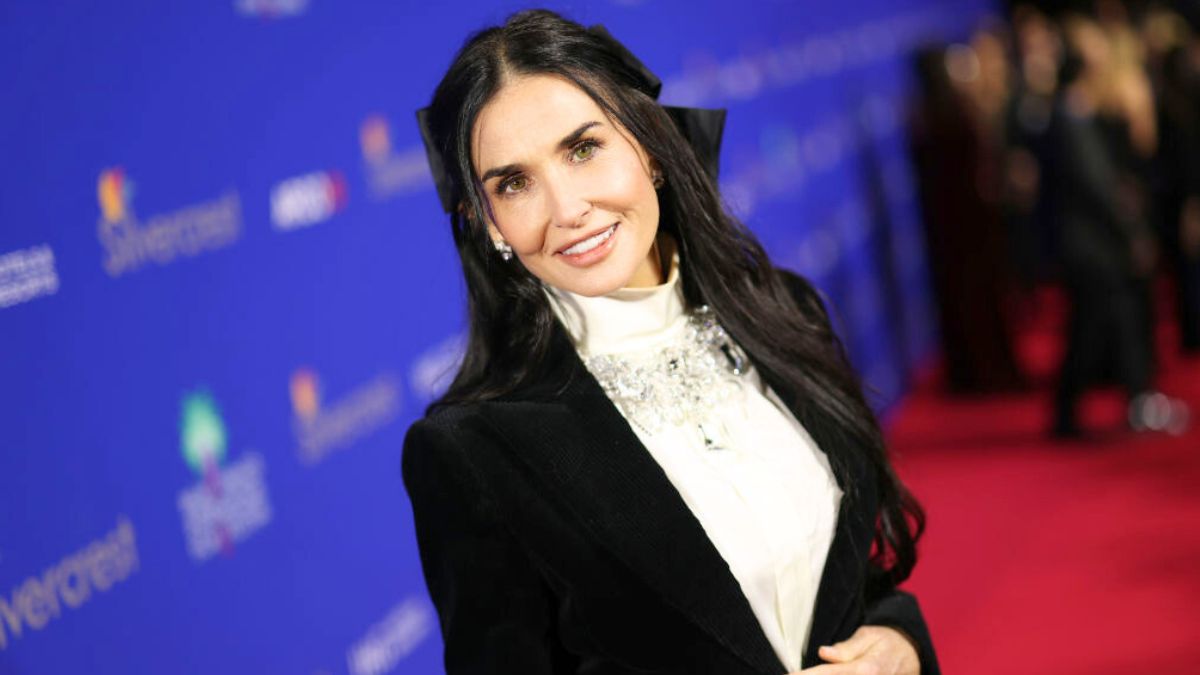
[
  {"x": 899, "y": 610},
  {"x": 889, "y": 607},
  {"x": 495, "y": 611}
]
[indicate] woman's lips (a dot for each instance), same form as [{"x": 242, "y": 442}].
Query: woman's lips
[{"x": 595, "y": 254}]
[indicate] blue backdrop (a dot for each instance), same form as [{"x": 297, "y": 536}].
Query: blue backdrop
[{"x": 226, "y": 289}]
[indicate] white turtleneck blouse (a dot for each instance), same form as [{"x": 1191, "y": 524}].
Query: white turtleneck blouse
[{"x": 765, "y": 495}]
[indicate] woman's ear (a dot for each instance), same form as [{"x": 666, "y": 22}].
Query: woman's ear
[
  {"x": 472, "y": 217},
  {"x": 492, "y": 231},
  {"x": 494, "y": 235},
  {"x": 656, "y": 173}
]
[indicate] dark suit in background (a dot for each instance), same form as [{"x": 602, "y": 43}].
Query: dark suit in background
[
  {"x": 1101, "y": 231},
  {"x": 1177, "y": 186}
]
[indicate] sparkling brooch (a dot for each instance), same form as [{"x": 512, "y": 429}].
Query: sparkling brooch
[{"x": 681, "y": 384}]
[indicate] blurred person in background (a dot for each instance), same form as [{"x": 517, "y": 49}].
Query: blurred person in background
[
  {"x": 958, "y": 157},
  {"x": 1128, "y": 117},
  {"x": 1127, "y": 97},
  {"x": 1174, "y": 56},
  {"x": 1028, "y": 192},
  {"x": 1104, "y": 133}
]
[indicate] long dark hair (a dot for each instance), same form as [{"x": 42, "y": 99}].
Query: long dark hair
[{"x": 512, "y": 325}]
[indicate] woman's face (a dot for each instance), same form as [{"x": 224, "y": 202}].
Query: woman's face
[{"x": 568, "y": 189}]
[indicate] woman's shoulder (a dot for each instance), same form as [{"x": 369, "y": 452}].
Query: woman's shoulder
[
  {"x": 444, "y": 436},
  {"x": 449, "y": 466},
  {"x": 453, "y": 424},
  {"x": 447, "y": 417}
]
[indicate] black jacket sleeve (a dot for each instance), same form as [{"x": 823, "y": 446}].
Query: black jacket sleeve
[
  {"x": 495, "y": 611},
  {"x": 893, "y": 608},
  {"x": 898, "y": 609}
]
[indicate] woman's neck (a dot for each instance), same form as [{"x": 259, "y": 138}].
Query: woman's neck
[{"x": 625, "y": 318}]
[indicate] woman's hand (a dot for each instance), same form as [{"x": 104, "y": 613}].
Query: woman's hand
[{"x": 872, "y": 650}]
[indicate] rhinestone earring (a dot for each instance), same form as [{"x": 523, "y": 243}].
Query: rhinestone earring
[{"x": 503, "y": 249}]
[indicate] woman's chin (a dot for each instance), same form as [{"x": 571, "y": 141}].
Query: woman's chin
[
  {"x": 594, "y": 281},
  {"x": 591, "y": 288}
]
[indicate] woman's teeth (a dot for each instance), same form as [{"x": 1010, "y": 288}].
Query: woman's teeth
[{"x": 590, "y": 243}]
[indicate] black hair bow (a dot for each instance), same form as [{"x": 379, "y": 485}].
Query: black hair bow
[{"x": 702, "y": 127}]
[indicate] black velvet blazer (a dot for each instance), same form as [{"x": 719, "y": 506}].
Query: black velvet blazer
[{"x": 552, "y": 542}]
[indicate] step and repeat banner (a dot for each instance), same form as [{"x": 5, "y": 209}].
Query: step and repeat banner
[{"x": 226, "y": 290}]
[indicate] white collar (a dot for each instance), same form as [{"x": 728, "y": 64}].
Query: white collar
[{"x": 626, "y": 319}]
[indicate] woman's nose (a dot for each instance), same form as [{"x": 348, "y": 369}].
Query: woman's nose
[{"x": 568, "y": 204}]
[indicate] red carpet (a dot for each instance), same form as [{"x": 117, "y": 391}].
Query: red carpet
[{"x": 1042, "y": 557}]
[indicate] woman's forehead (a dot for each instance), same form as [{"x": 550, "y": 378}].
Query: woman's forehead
[{"x": 528, "y": 117}]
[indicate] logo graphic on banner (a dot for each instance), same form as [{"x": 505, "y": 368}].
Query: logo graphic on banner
[
  {"x": 271, "y": 9},
  {"x": 27, "y": 274},
  {"x": 434, "y": 369},
  {"x": 130, "y": 245},
  {"x": 321, "y": 430},
  {"x": 307, "y": 200},
  {"x": 388, "y": 172},
  {"x": 306, "y": 394},
  {"x": 391, "y": 639},
  {"x": 70, "y": 582},
  {"x": 376, "y": 139},
  {"x": 115, "y": 193},
  {"x": 230, "y": 502}
]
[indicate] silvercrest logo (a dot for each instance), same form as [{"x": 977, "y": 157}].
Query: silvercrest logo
[
  {"x": 70, "y": 583},
  {"x": 130, "y": 245},
  {"x": 390, "y": 173},
  {"x": 322, "y": 429}
]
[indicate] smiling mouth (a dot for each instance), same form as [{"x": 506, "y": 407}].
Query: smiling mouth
[{"x": 590, "y": 243}]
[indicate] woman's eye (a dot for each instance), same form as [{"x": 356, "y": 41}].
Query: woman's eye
[
  {"x": 584, "y": 151},
  {"x": 514, "y": 184}
]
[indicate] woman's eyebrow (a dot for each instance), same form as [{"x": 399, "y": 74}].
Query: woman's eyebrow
[
  {"x": 499, "y": 171},
  {"x": 567, "y": 141},
  {"x": 571, "y": 138}
]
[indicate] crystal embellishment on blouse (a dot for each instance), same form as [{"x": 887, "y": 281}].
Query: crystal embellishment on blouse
[{"x": 681, "y": 384}]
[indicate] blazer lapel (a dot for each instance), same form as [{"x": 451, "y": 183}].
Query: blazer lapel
[
  {"x": 592, "y": 459},
  {"x": 841, "y": 579},
  {"x": 841, "y": 582}
]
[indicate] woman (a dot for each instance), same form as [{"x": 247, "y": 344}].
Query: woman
[{"x": 708, "y": 493}]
